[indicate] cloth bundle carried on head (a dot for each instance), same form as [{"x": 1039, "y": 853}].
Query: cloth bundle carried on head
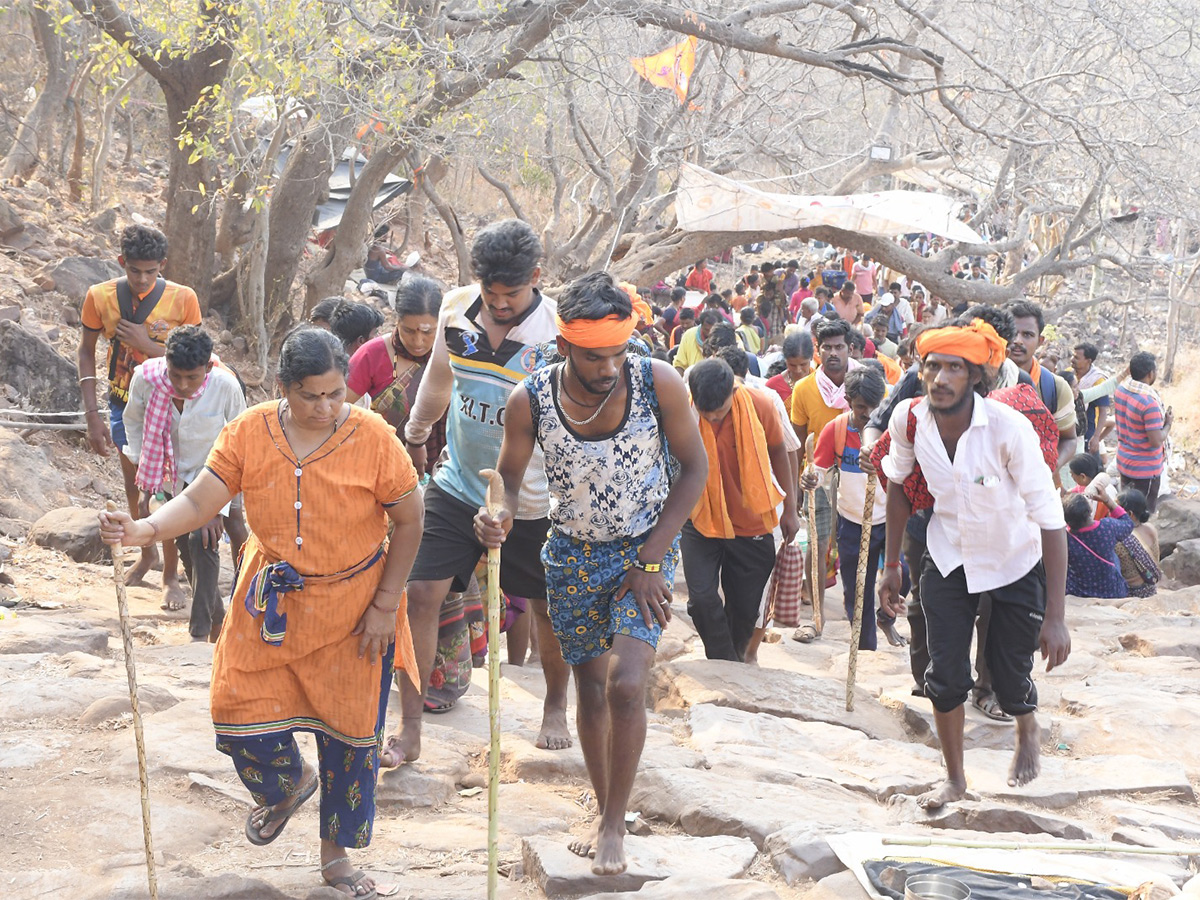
[{"x": 977, "y": 343}]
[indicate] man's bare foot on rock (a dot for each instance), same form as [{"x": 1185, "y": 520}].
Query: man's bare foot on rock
[
  {"x": 404, "y": 746},
  {"x": 610, "y": 853},
  {"x": 947, "y": 792},
  {"x": 894, "y": 637},
  {"x": 586, "y": 846},
  {"x": 554, "y": 734},
  {"x": 1027, "y": 758},
  {"x": 174, "y": 597},
  {"x": 148, "y": 560}
]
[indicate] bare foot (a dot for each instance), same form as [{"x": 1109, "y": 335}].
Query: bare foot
[
  {"x": 610, "y": 854},
  {"x": 341, "y": 875},
  {"x": 751, "y": 659},
  {"x": 554, "y": 734},
  {"x": 947, "y": 792},
  {"x": 404, "y": 746},
  {"x": 586, "y": 845},
  {"x": 1027, "y": 758},
  {"x": 174, "y": 597},
  {"x": 894, "y": 637},
  {"x": 149, "y": 560}
]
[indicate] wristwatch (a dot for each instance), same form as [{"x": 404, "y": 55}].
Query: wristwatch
[{"x": 649, "y": 568}]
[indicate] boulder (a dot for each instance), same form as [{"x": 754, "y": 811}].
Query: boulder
[
  {"x": 995, "y": 818},
  {"x": 151, "y": 699},
  {"x": 45, "y": 634},
  {"x": 72, "y": 530},
  {"x": 1183, "y": 565},
  {"x": 36, "y": 371},
  {"x": 1177, "y": 520},
  {"x": 10, "y": 222},
  {"x": 801, "y": 853},
  {"x": 560, "y": 873},
  {"x": 73, "y": 275}
]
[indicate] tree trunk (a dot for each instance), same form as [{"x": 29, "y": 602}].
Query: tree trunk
[
  {"x": 35, "y": 136},
  {"x": 75, "y": 173},
  {"x": 446, "y": 211},
  {"x": 303, "y": 184},
  {"x": 100, "y": 156},
  {"x": 348, "y": 248},
  {"x": 252, "y": 291},
  {"x": 1175, "y": 289}
]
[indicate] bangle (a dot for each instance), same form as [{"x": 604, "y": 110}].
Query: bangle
[
  {"x": 892, "y": 565},
  {"x": 155, "y": 538},
  {"x": 386, "y": 591},
  {"x": 650, "y": 568},
  {"x": 88, "y": 378},
  {"x": 385, "y": 609}
]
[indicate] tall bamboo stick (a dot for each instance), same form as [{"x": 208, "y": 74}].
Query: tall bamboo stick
[
  {"x": 495, "y": 503},
  {"x": 864, "y": 548}
]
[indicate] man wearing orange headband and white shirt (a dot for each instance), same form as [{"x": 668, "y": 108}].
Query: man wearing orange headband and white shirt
[
  {"x": 983, "y": 465},
  {"x": 604, "y": 420}
]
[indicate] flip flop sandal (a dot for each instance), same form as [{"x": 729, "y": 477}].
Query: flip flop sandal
[
  {"x": 438, "y": 709},
  {"x": 254, "y": 835},
  {"x": 990, "y": 707},
  {"x": 391, "y": 745},
  {"x": 351, "y": 881},
  {"x": 805, "y": 634}
]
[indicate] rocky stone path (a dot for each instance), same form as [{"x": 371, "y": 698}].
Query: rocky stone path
[{"x": 746, "y": 773}]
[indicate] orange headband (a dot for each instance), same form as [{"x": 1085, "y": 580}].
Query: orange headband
[
  {"x": 976, "y": 343},
  {"x": 611, "y": 331}
]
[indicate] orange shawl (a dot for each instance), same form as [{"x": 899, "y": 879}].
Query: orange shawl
[{"x": 711, "y": 517}]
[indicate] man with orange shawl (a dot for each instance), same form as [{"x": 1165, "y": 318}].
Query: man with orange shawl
[
  {"x": 605, "y": 420},
  {"x": 727, "y": 544},
  {"x": 984, "y": 467}
]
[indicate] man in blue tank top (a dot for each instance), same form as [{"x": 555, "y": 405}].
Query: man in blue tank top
[{"x": 604, "y": 421}]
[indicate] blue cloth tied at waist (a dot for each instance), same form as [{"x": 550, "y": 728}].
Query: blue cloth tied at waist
[{"x": 271, "y": 581}]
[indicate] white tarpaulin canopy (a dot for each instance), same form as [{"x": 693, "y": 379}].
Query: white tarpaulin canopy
[{"x": 706, "y": 201}]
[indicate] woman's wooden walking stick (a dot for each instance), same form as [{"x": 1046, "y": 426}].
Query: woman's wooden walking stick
[
  {"x": 814, "y": 550},
  {"x": 495, "y": 503},
  {"x": 864, "y": 551},
  {"x": 118, "y": 556}
]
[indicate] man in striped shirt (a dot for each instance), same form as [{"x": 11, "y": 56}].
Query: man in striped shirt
[{"x": 1142, "y": 429}]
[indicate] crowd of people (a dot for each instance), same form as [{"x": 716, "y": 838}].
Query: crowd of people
[{"x": 632, "y": 440}]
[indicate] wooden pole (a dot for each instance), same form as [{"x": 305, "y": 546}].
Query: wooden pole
[
  {"x": 118, "y": 556},
  {"x": 495, "y": 503},
  {"x": 817, "y": 569},
  {"x": 864, "y": 548}
]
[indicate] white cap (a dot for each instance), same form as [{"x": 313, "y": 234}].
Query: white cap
[{"x": 886, "y": 298}]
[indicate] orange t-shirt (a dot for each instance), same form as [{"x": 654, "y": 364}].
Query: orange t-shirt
[
  {"x": 101, "y": 312},
  {"x": 745, "y": 523}
]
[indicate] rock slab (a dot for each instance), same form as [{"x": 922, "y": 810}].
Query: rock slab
[
  {"x": 696, "y": 887},
  {"x": 560, "y": 873},
  {"x": 72, "y": 530}
]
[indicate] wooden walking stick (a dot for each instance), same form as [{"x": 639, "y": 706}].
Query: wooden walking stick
[
  {"x": 495, "y": 503},
  {"x": 118, "y": 556},
  {"x": 814, "y": 550},
  {"x": 864, "y": 550}
]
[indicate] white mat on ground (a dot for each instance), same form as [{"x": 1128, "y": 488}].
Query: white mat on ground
[{"x": 856, "y": 848}]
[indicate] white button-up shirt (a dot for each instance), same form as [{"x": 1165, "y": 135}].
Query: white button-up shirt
[
  {"x": 193, "y": 431},
  {"x": 991, "y": 503}
]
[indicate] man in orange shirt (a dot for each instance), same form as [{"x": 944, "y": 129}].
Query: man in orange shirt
[
  {"x": 135, "y": 314},
  {"x": 727, "y": 547},
  {"x": 700, "y": 278}
]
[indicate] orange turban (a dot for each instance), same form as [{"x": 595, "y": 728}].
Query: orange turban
[
  {"x": 641, "y": 308},
  {"x": 976, "y": 343},
  {"x": 611, "y": 331}
]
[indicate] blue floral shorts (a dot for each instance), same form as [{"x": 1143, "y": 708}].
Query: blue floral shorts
[{"x": 581, "y": 587}]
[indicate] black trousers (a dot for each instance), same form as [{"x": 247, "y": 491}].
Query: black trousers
[
  {"x": 737, "y": 568},
  {"x": 1018, "y": 610},
  {"x": 203, "y": 568},
  {"x": 1148, "y": 486}
]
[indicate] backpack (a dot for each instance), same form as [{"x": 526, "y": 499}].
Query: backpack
[
  {"x": 1023, "y": 398},
  {"x": 1048, "y": 388}
]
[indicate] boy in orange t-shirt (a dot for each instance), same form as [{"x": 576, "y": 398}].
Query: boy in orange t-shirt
[{"x": 155, "y": 306}]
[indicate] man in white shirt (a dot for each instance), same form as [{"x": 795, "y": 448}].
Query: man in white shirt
[
  {"x": 178, "y": 405},
  {"x": 996, "y": 512}
]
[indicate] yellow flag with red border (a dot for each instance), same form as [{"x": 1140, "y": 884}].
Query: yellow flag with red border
[{"x": 671, "y": 68}]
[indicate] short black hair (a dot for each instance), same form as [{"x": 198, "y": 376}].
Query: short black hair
[
  {"x": 352, "y": 321},
  {"x": 1023, "y": 309},
  {"x": 309, "y": 351},
  {"x": 722, "y": 335},
  {"x": 776, "y": 368},
  {"x": 1090, "y": 350},
  {"x": 832, "y": 328},
  {"x": 678, "y": 294},
  {"x": 710, "y": 317},
  {"x": 418, "y": 296},
  {"x": 866, "y": 383},
  {"x": 798, "y": 345},
  {"x": 507, "y": 252},
  {"x": 1001, "y": 320},
  {"x": 189, "y": 347},
  {"x": 747, "y": 315},
  {"x": 143, "y": 243},
  {"x": 735, "y": 357},
  {"x": 711, "y": 383},
  {"x": 1085, "y": 464},
  {"x": 1142, "y": 364},
  {"x": 593, "y": 296},
  {"x": 1077, "y": 511},
  {"x": 823, "y": 291},
  {"x": 687, "y": 313},
  {"x": 323, "y": 311},
  {"x": 1133, "y": 502},
  {"x": 856, "y": 339}
]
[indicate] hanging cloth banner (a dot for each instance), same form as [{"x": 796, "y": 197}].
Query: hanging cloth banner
[{"x": 671, "y": 68}]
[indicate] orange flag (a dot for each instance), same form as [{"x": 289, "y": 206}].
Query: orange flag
[{"x": 670, "y": 68}]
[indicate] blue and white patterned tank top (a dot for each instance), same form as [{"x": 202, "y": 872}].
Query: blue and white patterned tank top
[{"x": 608, "y": 487}]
